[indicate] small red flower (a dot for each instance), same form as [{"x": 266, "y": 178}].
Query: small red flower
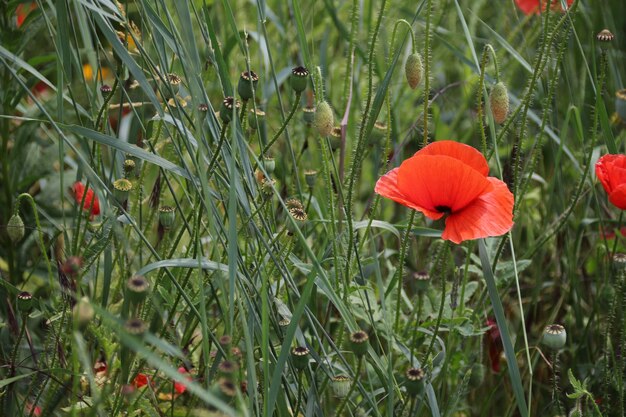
[
  {"x": 180, "y": 387},
  {"x": 611, "y": 171},
  {"x": 450, "y": 178},
  {"x": 534, "y": 6},
  {"x": 141, "y": 380},
  {"x": 22, "y": 11},
  {"x": 29, "y": 409},
  {"x": 91, "y": 204}
]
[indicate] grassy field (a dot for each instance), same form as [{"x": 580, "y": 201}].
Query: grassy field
[{"x": 213, "y": 208}]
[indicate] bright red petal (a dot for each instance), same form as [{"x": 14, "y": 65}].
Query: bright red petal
[
  {"x": 611, "y": 171},
  {"x": 465, "y": 153},
  {"x": 387, "y": 186},
  {"x": 491, "y": 214},
  {"x": 440, "y": 182},
  {"x": 618, "y": 197}
]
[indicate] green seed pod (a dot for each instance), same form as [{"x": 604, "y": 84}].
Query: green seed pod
[
  {"x": 226, "y": 342},
  {"x": 247, "y": 84},
  {"x": 269, "y": 164},
  {"x": 228, "y": 369},
  {"x": 105, "y": 90},
  {"x": 308, "y": 115},
  {"x": 324, "y": 119},
  {"x": 310, "y": 175},
  {"x": 499, "y": 102},
  {"x": 299, "y": 78},
  {"x": 414, "y": 380},
  {"x": 226, "y": 389},
  {"x": 167, "y": 216},
  {"x": 335, "y": 138},
  {"x": 283, "y": 324},
  {"x": 24, "y": 302},
  {"x": 136, "y": 327},
  {"x": 203, "y": 110},
  {"x": 256, "y": 118},
  {"x": 137, "y": 288},
  {"x": 605, "y": 35},
  {"x": 619, "y": 261},
  {"x": 341, "y": 385},
  {"x": 358, "y": 342},
  {"x": 83, "y": 313},
  {"x": 421, "y": 280},
  {"x": 554, "y": 336},
  {"x": 129, "y": 167},
  {"x": 378, "y": 133},
  {"x": 414, "y": 70},
  {"x": 173, "y": 85},
  {"x": 226, "y": 111},
  {"x": 300, "y": 357},
  {"x": 15, "y": 228},
  {"x": 121, "y": 189}
]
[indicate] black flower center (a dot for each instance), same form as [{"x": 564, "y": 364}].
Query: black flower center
[{"x": 443, "y": 209}]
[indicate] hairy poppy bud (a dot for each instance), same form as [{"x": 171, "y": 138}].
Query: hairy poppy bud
[
  {"x": 341, "y": 385},
  {"x": 414, "y": 69},
  {"x": 15, "y": 228},
  {"x": 499, "y": 102},
  {"x": 256, "y": 118},
  {"x": 300, "y": 357},
  {"x": 299, "y": 78},
  {"x": 324, "y": 119},
  {"x": 308, "y": 114},
  {"x": 247, "y": 84},
  {"x": 24, "y": 301},
  {"x": 414, "y": 380},
  {"x": 554, "y": 336},
  {"x": 358, "y": 342},
  {"x": 137, "y": 288},
  {"x": 167, "y": 216},
  {"x": 122, "y": 188},
  {"x": 226, "y": 111}
]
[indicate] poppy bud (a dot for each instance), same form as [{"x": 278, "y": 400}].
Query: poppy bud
[
  {"x": 358, "y": 342},
  {"x": 256, "y": 118},
  {"x": 619, "y": 261},
  {"x": 324, "y": 119},
  {"x": 299, "y": 78},
  {"x": 135, "y": 326},
  {"x": 167, "y": 216},
  {"x": 226, "y": 111},
  {"x": 24, "y": 301},
  {"x": 620, "y": 104},
  {"x": 308, "y": 114},
  {"x": 83, "y": 313},
  {"x": 414, "y": 380},
  {"x": 499, "y": 102},
  {"x": 300, "y": 357},
  {"x": 269, "y": 164},
  {"x": 15, "y": 228},
  {"x": 341, "y": 385},
  {"x": 129, "y": 167},
  {"x": 414, "y": 70},
  {"x": 310, "y": 176},
  {"x": 105, "y": 90},
  {"x": 122, "y": 188},
  {"x": 137, "y": 288},
  {"x": 247, "y": 84},
  {"x": 554, "y": 336},
  {"x": 72, "y": 265}
]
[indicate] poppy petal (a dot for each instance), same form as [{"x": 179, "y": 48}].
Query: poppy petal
[
  {"x": 464, "y": 153},
  {"x": 618, "y": 197},
  {"x": 611, "y": 171},
  {"x": 440, "y": 183},
  {"x": 491, "y": 214},
  {"x": 387, "y": 186}
]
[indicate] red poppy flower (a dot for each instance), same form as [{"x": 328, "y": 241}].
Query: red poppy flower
[
  {"x": 533, "y": 6},
  {"x": 141, "y": 380},
  {"x": 611, "y": 171},
  {"x": 450, "y": 178},
  {"x": 22, "y": 11},
  {"x": 180, "y": 387},
  {"x": 91, "y": 204},
  {"x": 494, "y": 344}
]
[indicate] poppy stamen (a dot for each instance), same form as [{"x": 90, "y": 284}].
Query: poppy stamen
[{"x": 443, "y": 209}]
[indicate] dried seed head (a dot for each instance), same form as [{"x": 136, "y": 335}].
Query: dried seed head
[
  {"x": 605, "y": 35},
  {"x": 173, "y": 79},
  {"x": 414, "y": 70},
  {"x": 341, "y": 385},
  {"x": 15, "y": 228},
  {"x": 554, "y": 336},
  {"x": 294, "y": 203},
  {"x": 267, "y": 185},
  {"x": 298, "y": 214},
  {"x": 324, "y": 119},
  {"x": 135, "y": 326},
  {"x": 499, "y": 102},
  {"x": 299, "y": 78},
  {"x": 129, "y": 166},
  {"x": 227, "y": 388},
  {"x": 228, "y": 368}
]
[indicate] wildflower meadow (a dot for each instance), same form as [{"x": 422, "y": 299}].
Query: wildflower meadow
[{"x": 312, "y": 208}]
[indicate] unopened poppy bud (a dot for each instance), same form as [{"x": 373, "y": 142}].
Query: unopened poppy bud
[
  {"x": 414, "y": 69},
  {"x": 137, "y": 288},
  {"x": 308, "y": 114},
  {"x": 324, "y": 119},
  {"x": 605, "y": 35},
  {"x": 105, "y": 90},
  {"x": 15, "y": 228},
  {"x": 269, "y": 164},
  {"x": 300, "y": 357},
  {"x": 226, "y": 111},
  {"x": 414, "y": 380},
  {"x": 135, "y": 326},
  {"x": 554, "y": 336},
  {"x": 83, "y": 313},
  {"x": 167, "y": 216},
  {"x": 341, "y": 385},
  {"x": 620, "y": 104},
  {"x": 247, "y": 84},
  {"x": 358, "y": 342},
  {"x": 24, "y": 301},
  {"x": 619, "y": 261},
  {"x": 310, "y": 176},
  {"x": 299, "y": 78},
  {"x": 256, "y": 118},
  {"x": 122, "y": 188},
  {"x": 499, "y": 102},
  {"x": 129, "y": 167}
]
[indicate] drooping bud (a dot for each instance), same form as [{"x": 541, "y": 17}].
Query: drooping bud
[
  {"x": 554, "y": 336},
  {"x": 167, "y": 216},
  {"x": 226, "y": 111},
  {"x": 414, "y": 69},
  {"x": 247, "y": 84},
  {"x": 324, "y": 119},
  {"x": 15, "y": 228},
  {"x": 299, "y": 78},
  {"x": 499, "y": 102}
]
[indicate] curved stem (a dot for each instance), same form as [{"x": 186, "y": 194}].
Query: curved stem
[
  {"x": 216, "y": 154},
  {"x": 393, "y": 35},
  {"x": 296, "y": 103}
]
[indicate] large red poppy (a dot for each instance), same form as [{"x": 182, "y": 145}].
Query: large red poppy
[
  {"x": 534, "y": 6},
  {"x": 450, "y": 178},
  {"x": 611, "y": 171},
  {"x": 91, "y": 204}
]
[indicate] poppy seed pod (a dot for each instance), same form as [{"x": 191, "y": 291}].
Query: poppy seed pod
[
  {"x": 554, "y": 336},
  {"x": 358, "y": 342},
  {"x": 299, "y": 78},
  {"x": 341, "y": 385},
  {"x": 414, "y": 380},
  {"x": 15, "y": 228},
  {"x": 228, "y": 369},
  {"x": 174, "y": 82},
  {"x": 226, "y": 389},
  {"x": 129, "y": 167},
  {"x": 121, "y": 189},
  {"x": 225, "y": 342},
  {"x": 422, "y": 280},
  {"x": 324, "y": 119},
  {"x": 499, "y": 102},
  {"x": 299, "y": 216},
  {"x": 24, "y": 301},
  {"x": 137, "y": 288},
  {"x": 335, "y": 138},
  {"x": 269, "y": 163},
  {"x": 167, "y": 216},
  {"x": 414, "y": 69},
  {"x": 247, "y": 84},
  {"x": 308, "y": 114},
  {"x": 226, "y": 111},
  {"x": 105, "y": 90},
  {"x": 310, "y": 175},
  {"x": 300, "y": 357},
  {"x": 619, "y": 261},
  {"x": 203, "y": 110},
  {"x": 135, "y": 326},
  {"x": 605, "y": 35},
  {"x": 256, "y": 118}
]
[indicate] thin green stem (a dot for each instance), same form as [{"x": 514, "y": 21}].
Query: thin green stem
[
  {"x": 399, "y": 271},
  {"x": 295, "y": 106},
  {"x": 352, "y": 386}
]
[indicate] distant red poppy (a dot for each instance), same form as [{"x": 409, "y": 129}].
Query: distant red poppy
[
  {"x": 611, "y": 171},
  {"x": 450, "y": 178},
  {"x": 180, "y": 387},
  {"x": 21, "y": 12},
  {"x": 141, "y": 380},
  {"x": 91, "y": 204},
  {"x": 494, "y": 344},
  {"x": 534, "y": 6}
]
